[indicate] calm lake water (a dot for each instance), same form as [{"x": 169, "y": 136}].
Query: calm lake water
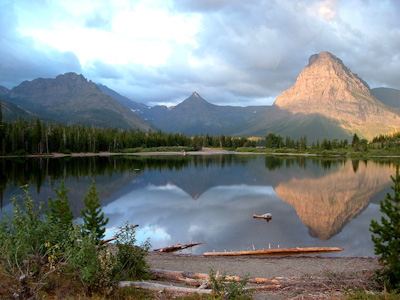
[{"x": 211, "y": 199}]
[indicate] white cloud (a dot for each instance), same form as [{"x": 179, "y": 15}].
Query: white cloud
[
  {"x": 230, "y": 51},
  {"x": 327, "y": 10},
  {"x": 142, "y": 33}
]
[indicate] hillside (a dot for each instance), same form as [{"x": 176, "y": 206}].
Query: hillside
[
  {"x": 11, "y": 111},
  {"x": 387, "y": 96},
  {"x": 71, "y": 99}
]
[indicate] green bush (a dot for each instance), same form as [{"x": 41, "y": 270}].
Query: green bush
[
  {"x": 27, "y": 258},
  {"x": 386, "y": 237},
  {"x": 131, "y": 261},
  {"x": 30, "y": 250},
  {"x": 229, "y": 290}
]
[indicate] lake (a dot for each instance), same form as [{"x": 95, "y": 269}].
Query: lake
[{"x": 212, "y": 199}]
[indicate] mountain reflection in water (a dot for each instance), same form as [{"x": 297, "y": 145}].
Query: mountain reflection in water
[{"x": 211, "y": 199}]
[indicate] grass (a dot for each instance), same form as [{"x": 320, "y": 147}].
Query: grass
[
  {"x": 157, "y": 149},
  {"x": 345, "y": 152}
]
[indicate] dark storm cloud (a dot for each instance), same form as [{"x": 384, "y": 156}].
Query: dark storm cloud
[{"x": 21, "y": 60}]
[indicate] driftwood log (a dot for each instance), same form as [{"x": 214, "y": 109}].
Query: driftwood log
[
  {"x": 200, "y": 280},
  {"x": 282, "y": 251},
  {"x": 156, "y": 287},
  {"x": 193, "y": 279},
  {"x": 177, "y": 247},
  {"x": 266, "y": 217}
]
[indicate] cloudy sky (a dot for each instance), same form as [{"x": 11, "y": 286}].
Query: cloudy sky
[{"x": 232, "y": 52}]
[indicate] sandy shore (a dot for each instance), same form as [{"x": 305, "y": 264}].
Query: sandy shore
[{"x": 300, "y": 277}]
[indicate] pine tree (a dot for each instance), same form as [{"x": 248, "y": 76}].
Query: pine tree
[
  {"x": 93, "y": 217},
  {"x": 59, "y": 209},
  {"x": 60, "y": 215},
  {"x": 386, "y": 236}
]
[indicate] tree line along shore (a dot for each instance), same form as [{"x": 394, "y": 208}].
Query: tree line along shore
[{"x": 35, "y": 137}]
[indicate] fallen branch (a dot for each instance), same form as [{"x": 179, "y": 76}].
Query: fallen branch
[{"x": 177, "y": 247}]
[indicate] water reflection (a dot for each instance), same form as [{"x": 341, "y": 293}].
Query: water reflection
[{"x": 326, "y": 202}]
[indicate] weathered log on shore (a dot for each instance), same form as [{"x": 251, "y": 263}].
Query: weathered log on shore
[
  {"x": 156, "y": 287},
  {"x": 196, "y": 279},
  {"x": 177, "y": 247},
  {"x": 282, "y": 251}
]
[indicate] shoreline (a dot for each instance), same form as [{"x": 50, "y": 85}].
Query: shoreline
[
  {"x": 190, "y": 153},
  {"x": 299, "y": 277}
]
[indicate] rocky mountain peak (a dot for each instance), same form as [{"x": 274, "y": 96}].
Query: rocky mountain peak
[
  {"x": 327, "y": 87},
  {"x": 63, "y": 87}
]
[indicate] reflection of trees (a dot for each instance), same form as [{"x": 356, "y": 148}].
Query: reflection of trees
[
  {"x": 326, "y": 204},
  {"x": 35, "y": 171},
  {"x": 276, "y": 162}
]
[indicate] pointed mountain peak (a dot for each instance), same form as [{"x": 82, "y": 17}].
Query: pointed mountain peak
[
  {"x": 325, "y": 80},
  {"x": 327, "y": 87},
  {"x": 323, "y": 57},
  {"x": 195, "y": 98}
]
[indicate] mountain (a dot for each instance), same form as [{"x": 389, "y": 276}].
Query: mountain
[
  {"x": 72, "y": 99},
  {"x": 327, "y": 87},
  {"x": 388, "y": 96},
  {"x": 327, "y": 95},
  {"x": 197, "y": 116}
]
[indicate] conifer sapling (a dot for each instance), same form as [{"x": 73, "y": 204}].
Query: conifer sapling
[
  {"x": 93, "y": 217},
  {"x": 386, "y": 236}
]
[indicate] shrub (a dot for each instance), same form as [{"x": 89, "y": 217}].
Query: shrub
[
  {"x": 30, "y": 251},
  {"x": 92, "y": 263},
  {"x": 229, "y": 290},
  {"x": 386, "y": 237},
  {"x": 131, "y": 261},
  {"x": 26, "y": 260}
]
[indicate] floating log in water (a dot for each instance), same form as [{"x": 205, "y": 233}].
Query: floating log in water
[
  {"x": 283, "y": 251},
  {"x": 266, "y": 217},
  {"x": 176, "y": 247}
]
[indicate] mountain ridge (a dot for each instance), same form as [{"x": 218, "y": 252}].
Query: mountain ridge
[
  {"x": 72, "y": 99},
  {"x": 327, "y": 100}
]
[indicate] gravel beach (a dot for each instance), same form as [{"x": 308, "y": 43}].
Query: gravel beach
[{"x": 300, "y": 277}]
